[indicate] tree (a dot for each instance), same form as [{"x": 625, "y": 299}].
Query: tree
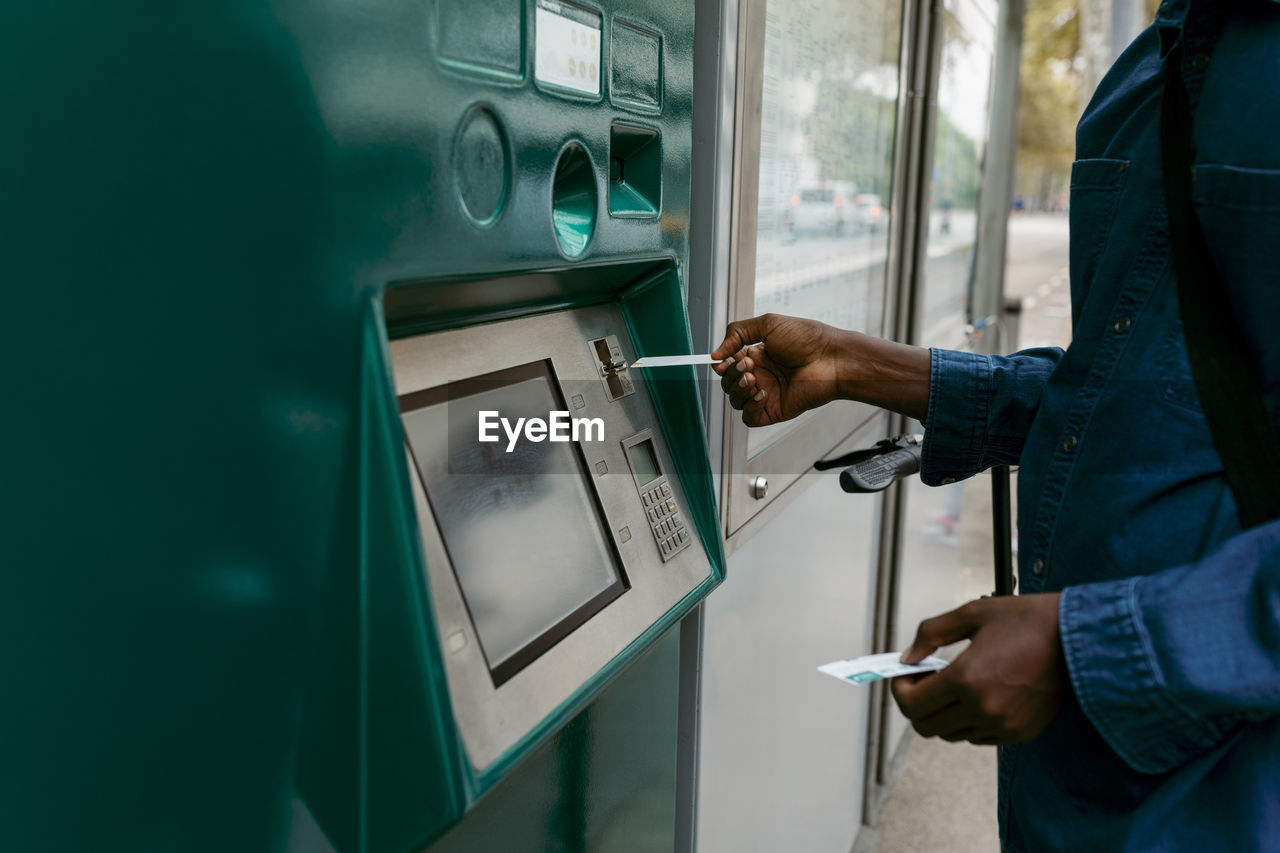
[{"x": 1051, "y": 100}]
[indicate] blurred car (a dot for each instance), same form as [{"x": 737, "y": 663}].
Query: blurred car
[
  {"x": 824, "y": 207},
  {"x": 868, "y": 212}
]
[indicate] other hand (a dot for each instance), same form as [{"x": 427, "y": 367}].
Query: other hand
[{"x": 1005, "y": 688}]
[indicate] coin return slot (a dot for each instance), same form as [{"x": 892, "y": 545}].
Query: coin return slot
[{"x": 635, "y": 172}]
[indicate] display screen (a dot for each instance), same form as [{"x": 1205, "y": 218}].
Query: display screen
[
  {"x": 522, "y": 527},
  {"x": 644, "y": 462}
]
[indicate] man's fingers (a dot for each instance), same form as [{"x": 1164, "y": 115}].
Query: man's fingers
[
  {"x": 967, "y": 733},
  {"x": 945, "y": 722},
  {"x": 951, "y": 627},
  {"x": 920, "y": 696},
  {"x": 741, "y": 333}
]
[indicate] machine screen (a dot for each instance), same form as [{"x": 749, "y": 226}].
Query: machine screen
[
  {"x": 523, "y": 530},
  {"x": 644, "y": 462}
]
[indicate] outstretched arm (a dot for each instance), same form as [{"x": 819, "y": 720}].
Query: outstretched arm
[
  {"x": 978, "y": 408},
  {"x": 782, "y": 366}
]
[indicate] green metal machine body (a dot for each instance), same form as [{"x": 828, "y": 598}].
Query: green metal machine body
[{"x": 219, "y": 218}]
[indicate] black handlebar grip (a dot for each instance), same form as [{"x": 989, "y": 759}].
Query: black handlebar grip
[{"x": 876, "y": 473}]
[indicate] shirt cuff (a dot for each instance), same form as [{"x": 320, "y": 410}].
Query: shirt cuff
[
  {"x": 1118, "y": 681},
  {"x": 960, "y": 390}
]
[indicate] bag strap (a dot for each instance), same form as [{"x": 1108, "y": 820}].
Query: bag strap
[{"x": 1244, "y": 433}]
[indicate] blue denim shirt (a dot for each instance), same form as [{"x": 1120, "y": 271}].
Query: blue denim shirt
[{"x": 1170, "y": 615}]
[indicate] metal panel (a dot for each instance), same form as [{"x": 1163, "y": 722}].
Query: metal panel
[
  {"x": 783, "y": 752},
  {"x": 493, "y": 718},
  {"x": 606, "y": 782}
]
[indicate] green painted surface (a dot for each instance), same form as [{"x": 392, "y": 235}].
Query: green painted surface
[
  {"x": 605, "y": 783},
  {"x": 213, "y": 602}
]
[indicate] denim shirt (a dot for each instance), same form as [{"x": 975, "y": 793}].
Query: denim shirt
[{"x": 1170, "y": 614}]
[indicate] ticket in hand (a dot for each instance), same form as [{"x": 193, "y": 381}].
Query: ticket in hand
[{"x": 875, "y": 667}]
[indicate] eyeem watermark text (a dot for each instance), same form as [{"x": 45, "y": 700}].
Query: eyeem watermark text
[{"x": 559, "y": 426}]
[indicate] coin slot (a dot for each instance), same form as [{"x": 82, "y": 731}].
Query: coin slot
[{"x": 574, "y": 200}]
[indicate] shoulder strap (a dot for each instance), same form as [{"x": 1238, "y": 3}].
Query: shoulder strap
[{"x": 1243, "y": 432}]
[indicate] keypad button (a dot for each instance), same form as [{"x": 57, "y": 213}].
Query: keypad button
[
  {"x": 666, "y": 490},
  {"x": 676, "y": 521},
  {"x": 683, "y": 535}
]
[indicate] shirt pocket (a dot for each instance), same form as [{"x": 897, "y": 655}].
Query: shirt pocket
[
  {"x": 1239, "y": 212},
  {"x": 1095, "y": 191}
]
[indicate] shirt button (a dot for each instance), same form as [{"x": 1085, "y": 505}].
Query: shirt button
[
  {"x": 1069, "y": 443},
  {"x": 1122, "y": 325},
  {"x": 1038, "y": 566},
  {"x": 1200, "y": 61}
]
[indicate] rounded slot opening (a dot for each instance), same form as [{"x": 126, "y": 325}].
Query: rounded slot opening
[{"x": 573, "y": 200}]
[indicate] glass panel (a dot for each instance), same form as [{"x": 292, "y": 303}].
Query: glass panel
[
  {"x": 964, "y": 97},
  {"x": 946, "y": 559},
  {"x": 536, "y": 500},
  {"x": 946, "y": 532},
  {"x": 827, "y": 127}
]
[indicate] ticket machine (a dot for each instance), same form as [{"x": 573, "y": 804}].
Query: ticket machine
[
  {"x": 273, "y": 264},
  {"x": 537, "y": 513}
]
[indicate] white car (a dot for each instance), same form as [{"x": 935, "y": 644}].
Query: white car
[
  {"x": 868, "y": 212},
  {"x": 825, "y": 207}
]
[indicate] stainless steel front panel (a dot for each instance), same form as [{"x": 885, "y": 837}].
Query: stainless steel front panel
[{"x": 492, "y": 718}]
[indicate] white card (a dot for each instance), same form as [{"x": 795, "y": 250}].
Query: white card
[
  {"x": 671, "y": 360},
  {"x": 875, "y": 667}
]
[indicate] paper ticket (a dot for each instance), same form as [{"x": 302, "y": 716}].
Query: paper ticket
[
  {"x": 875, "y": 667},
  {"x": 671, "y": 360}
]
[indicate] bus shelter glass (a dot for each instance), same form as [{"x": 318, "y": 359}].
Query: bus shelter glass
[
  {"x": 828, "y": 121},
  {"x": 946, "y": 539},
  {"x": 964, "y": 100}
]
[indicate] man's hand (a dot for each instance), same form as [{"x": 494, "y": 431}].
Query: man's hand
[
  {"x": 784, "y": 366},
  {"x": 1005, "y": 688},
  {"x": 795, "y": 369}
]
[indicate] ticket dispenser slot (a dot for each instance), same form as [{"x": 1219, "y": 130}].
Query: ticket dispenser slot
[{"x": 613, "y": 367}]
